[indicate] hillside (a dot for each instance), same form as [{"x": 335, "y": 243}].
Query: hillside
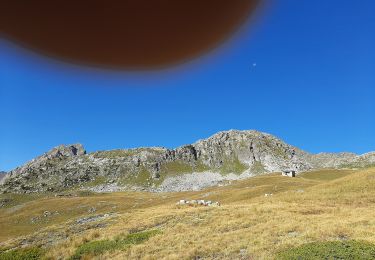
[
  {"x": 317, "y": 206},
  {"x": 2, "y": 174},
  {"x": 219, "y": 159}
]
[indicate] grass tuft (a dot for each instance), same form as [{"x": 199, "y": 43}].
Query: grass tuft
[
  {"x": 99, "y": 247},
  {"x": 330, "y": 250},
  {"x": 32, "y": 253}
]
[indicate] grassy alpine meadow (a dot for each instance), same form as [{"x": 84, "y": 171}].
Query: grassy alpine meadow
[{"x": 317, "y": 215}]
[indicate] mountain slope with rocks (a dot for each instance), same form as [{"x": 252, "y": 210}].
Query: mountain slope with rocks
[
  {"x": 223, "y": 157},
  {"x": 2, "y": 174}
]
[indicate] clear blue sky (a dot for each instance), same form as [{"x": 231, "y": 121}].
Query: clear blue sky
[{"x": 313, "y": 86}]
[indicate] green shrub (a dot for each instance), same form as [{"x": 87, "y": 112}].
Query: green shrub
[
  {"x": 137, "y": 238},
  {"x": 258, "y": 168},
  {"x": 331, "y": 250},
  {"x": 94, "y": 248},
  {"x": 176, "y": 167},
  {"x": 99, "y": 247},
  {"x": 232, "y": 166},
  {"x": 22, "y": 254}
]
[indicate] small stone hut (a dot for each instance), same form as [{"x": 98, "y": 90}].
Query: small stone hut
[{"x": 289, "y": 173}]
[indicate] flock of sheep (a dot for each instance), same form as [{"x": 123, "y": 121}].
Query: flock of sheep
[{"x": 207, "y": 203}]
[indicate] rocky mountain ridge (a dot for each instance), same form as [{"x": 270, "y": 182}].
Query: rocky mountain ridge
[
  {"x": 225, "y": 156},
  {"x": 2, "y": 174}
]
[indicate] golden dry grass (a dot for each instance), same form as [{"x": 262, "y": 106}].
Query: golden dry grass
[{"x": 248, "y": 225}]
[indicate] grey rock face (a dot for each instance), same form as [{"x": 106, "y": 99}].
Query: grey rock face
[
  {"x": 2, "y": 175},
  {"x": 36, "y": 174},
  {"x": 252, "y": 149},
  {"x": 225, "y": 156}
]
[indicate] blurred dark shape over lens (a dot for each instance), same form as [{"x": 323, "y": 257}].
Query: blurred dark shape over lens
[{"x": 131, "y": 34}]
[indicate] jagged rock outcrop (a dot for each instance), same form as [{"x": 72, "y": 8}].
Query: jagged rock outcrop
[
  {"x": 260, "y": 151},
  {"x": 2, "y": 175},
  {"x": 230, "y": 154},
  {"x": 35, "y": 175}
]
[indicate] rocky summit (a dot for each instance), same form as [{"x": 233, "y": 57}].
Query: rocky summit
[{"x": 221, "y": 158}]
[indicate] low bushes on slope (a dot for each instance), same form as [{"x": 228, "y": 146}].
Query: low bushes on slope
[
  {"x": 343, "y": 250},
  {"x": 33, "y": 253},
  {"x": 99, "y": 247}
]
